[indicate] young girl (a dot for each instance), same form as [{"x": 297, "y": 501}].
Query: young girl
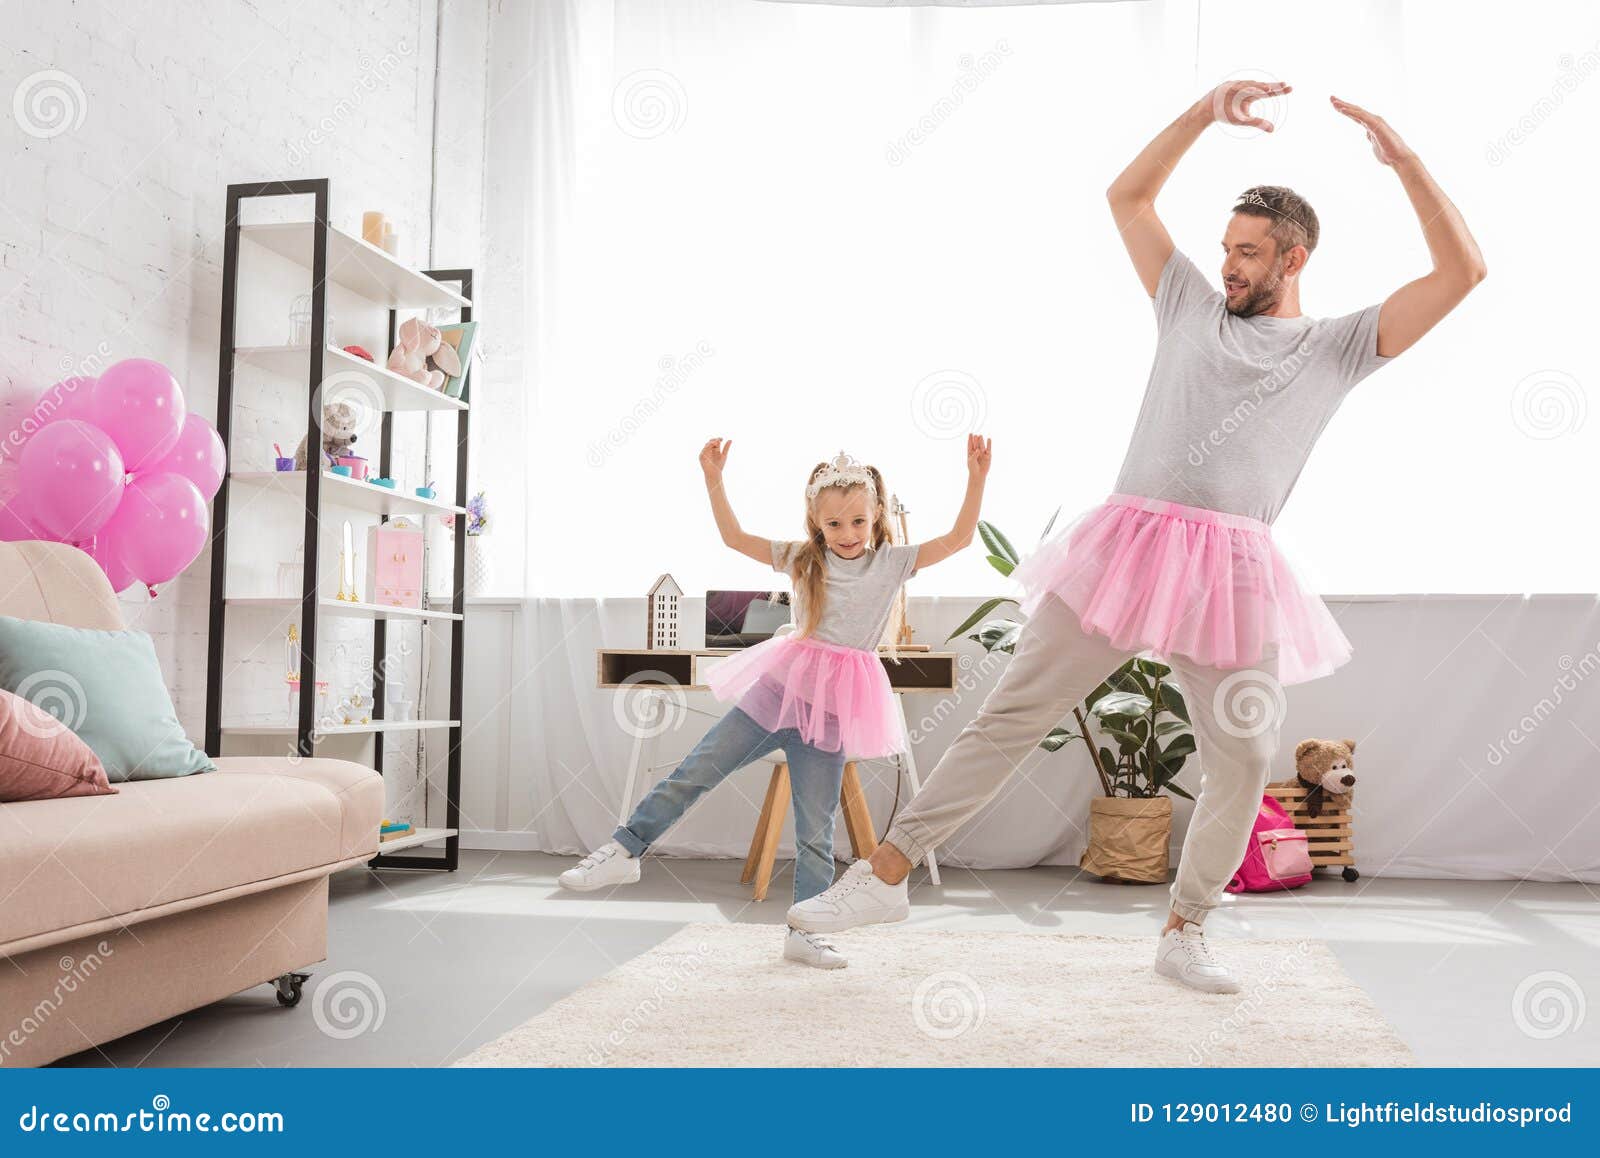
[{"x": 819, "y": 693}]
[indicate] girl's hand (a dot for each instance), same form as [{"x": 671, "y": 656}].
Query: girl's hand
[
  {"x": 978, "y": 456},
  {"x": 713, "y": 455}
]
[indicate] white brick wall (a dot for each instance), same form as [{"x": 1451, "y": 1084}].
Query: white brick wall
[{"x": 112, "y": 199}]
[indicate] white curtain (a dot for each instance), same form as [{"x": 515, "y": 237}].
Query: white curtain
[{"x": 812, "y": 226}]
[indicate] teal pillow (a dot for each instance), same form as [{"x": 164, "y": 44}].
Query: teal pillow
[{"x": 106, "y": 686}]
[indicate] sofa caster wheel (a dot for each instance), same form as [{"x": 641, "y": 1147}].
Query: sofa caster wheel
[
  {"x": 1350, "y": 874},
  {"x": 290, "y": 988}
]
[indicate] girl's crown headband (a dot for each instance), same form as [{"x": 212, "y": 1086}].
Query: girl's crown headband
[{"x": 843, "y": 471}]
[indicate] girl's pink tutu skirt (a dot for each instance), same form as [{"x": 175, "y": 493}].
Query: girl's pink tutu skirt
[
  {"x": 838, "y": 698},
  {"x": 1159, "y": 576}
]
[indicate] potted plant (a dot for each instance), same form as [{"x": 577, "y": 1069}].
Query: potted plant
[{"x": 1144, "y": 739}]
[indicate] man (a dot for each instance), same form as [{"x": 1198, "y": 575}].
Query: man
[{"x": 1241, "y": 386}]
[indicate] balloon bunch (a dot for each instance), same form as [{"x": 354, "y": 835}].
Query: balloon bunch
[{"x": 118, "y": 467}]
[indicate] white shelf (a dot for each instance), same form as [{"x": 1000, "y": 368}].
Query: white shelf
[
  {"x": 347, "y": 492},
  {"x": 339, "y": 729},
  {"x": 343, "y": 607},
  {"x": 352, "y": 376},
  {"x": 357, "y": 266},
  {"x": 413, "y": 838}
]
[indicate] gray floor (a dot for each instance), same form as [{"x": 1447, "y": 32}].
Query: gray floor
[{"x": 453, "y": 961}]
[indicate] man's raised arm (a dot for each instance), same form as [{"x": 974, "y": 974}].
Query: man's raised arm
[
  {"x": 1133, "y": 194},
  {"x": 1418, "y": 306}
]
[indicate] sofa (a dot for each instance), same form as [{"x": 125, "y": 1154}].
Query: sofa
[{"x": 118, "y": 912}]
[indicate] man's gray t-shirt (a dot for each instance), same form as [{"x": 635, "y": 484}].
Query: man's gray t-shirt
[
  {"x": 1234, "y": 405},
  {"x": 860, "y": 592}
]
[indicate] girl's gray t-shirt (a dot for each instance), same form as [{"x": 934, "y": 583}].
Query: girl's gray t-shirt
[
  {"x": 860, "y": 591},
  {"x": 1234, "y": 405}
]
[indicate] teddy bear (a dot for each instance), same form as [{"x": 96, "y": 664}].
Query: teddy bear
[
  {"x": 415, "y": 344},
  {"x": 339, "y": 420},
  {"x": 1324, "y": 768}
]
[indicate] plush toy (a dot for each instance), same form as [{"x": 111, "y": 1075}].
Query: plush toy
[
  {"x": 417, "y": 343},
  {"x": 338, "y": 432},
  {"x": 1325, "y": 768}
]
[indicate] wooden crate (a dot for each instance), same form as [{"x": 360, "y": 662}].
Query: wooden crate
[{"x": 1330, "y": 836}]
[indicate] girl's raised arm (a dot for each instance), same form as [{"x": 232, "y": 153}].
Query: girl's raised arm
[
  {"x": 940, "y": 549},
  {"x": 712, "y": 457}
]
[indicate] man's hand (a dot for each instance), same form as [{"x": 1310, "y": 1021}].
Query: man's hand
[
  {"x": 1386, "y": 143},
  {"x": 1231, "y": 102}
]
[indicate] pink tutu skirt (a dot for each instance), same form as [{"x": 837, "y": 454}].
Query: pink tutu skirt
[
  {"x": 838, "y": 698},
  {"x": 1153, "y": 575}
]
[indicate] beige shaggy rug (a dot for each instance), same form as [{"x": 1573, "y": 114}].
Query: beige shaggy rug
[{"x": 721, "y": 995}]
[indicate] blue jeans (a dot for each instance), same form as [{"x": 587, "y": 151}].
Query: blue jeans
[{"x": 734, "y": 741}]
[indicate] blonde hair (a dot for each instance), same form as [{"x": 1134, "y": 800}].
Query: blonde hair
[{"x": 808, "y": 564}]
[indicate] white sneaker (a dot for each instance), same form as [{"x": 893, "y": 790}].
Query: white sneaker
[
  {"x": 1184, "y": 955},
  {"x": 608, "y": 865},
  {"x": 812, "y": 949},
  {"x": 859, "y": 897}
]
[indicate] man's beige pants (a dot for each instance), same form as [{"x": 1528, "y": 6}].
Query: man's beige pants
[{"x": 1236, "y": 717}]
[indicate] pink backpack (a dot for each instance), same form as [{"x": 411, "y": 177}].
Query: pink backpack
[{"x": 1276, "y": 857}]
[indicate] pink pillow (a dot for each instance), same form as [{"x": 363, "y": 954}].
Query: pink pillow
[{"x": 41, "y": 758}]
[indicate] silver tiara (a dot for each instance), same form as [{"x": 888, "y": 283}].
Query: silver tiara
[{"x": 843, "y": 471}]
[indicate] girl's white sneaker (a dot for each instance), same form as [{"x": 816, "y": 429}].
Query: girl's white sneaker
[
  {"x": 812, "y": 949},
  {"x": 1184, "y": 955},
  {"x": 608, "y": 865},
  {"x": 858, "y": 897}
]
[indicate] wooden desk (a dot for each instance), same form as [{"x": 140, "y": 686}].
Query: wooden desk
[{"x": 657, "y": 680}]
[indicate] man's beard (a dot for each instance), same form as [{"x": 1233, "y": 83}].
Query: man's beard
[{"x": 1261, "y": 297}]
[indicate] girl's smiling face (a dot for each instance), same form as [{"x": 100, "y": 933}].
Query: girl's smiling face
[{"x": 845, "y": 516}]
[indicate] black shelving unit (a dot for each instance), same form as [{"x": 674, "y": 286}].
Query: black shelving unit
[{"x": 305, "y": 732}]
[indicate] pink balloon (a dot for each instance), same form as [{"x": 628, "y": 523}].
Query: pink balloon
[
  {"x": 14, "y": 526},
  {"x": 198, "y": 456},
  {"x": 140, "y": 405},
  {"x": 68, "y": 398},
  {"x": 159, "y": 527},
  {"x": 72, "y": 479},
  {"x": 103, "y": 552}
]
